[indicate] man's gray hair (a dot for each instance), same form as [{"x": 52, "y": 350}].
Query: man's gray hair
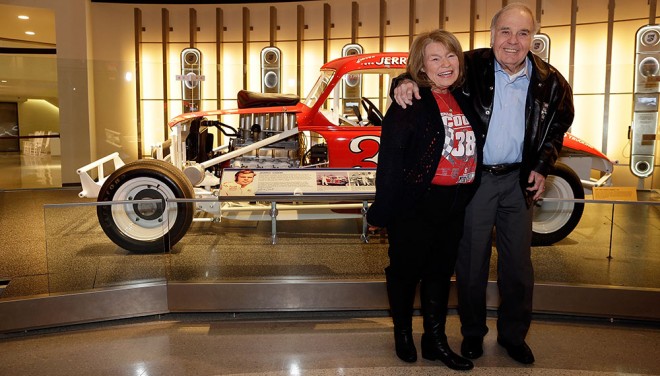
[{"x": 518, "y": 6}]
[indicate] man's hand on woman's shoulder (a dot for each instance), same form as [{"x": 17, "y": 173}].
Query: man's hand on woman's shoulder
[{"x": 403, "y": 93}]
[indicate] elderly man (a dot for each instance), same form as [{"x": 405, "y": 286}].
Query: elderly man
[{"x": 526, "y": 106}]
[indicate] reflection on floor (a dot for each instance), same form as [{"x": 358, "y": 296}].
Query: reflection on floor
[
  {"x": 317, "y": 344},
  {"x": 20, "y": 171}
]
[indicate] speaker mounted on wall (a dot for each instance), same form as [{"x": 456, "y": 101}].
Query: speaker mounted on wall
[
  {"x": 271, "y": 67},
  {"x": 541, "y": 46},
  {"x": 351, "y": 83},
  {"x": 644, "y": 129},
  {"x": 191, "y": 79}
]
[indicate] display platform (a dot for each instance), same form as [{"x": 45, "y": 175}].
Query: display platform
[{"x": 604, "y": 268}]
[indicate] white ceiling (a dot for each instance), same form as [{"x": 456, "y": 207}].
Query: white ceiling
[
  {"x": 12, "y": 29},
  {"x": 27, "y": 76}
]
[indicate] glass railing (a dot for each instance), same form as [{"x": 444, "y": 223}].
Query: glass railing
[
  {"x": 614, "y": 244},
  {"x": 80, "y": 256}
]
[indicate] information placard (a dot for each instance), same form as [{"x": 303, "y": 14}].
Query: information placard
[
  {"x": 249, "y": 182},
  {"x": 615, "y": 193}
]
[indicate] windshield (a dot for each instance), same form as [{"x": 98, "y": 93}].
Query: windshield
[{"x": 319, "y": 87}]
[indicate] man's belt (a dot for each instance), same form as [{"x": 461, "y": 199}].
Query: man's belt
[{"x": 501, "y": 169}]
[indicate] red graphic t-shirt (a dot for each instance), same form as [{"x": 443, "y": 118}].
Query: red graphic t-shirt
[{"x": 459, "y": 158}]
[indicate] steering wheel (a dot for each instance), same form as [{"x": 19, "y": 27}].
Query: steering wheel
[{"x": 374, "y": 115}]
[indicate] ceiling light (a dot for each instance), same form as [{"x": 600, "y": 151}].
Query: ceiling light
[
  {"x": 30, "y": 33},
  {"x": 24, "y": 17},
  {"x": 3, "y": 81}
]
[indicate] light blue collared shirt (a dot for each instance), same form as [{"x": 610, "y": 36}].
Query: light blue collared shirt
[{"x": 506, "y": 130}]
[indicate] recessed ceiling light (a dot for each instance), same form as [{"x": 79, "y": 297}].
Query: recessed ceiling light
[
  {"x": 24, "y": 17},
  {"x": 30, "y": 33}
]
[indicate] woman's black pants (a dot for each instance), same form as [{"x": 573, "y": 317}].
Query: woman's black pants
[{"x": 423, "y": 244}]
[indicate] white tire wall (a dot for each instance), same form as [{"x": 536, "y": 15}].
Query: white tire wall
[{"x": 146, "y": 227}]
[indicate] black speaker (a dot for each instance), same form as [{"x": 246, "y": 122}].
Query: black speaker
[
  {"x": 351, "y": 83},
  {"x": 541, "y": 46},
  {"x": 271, "y": 66},
  {"x": 191, "y": 79},
  {"x": 645, "y": 101}
]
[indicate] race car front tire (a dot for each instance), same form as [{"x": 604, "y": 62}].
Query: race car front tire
[{"x": 145, "y": 227}]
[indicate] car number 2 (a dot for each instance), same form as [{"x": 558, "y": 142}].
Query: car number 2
[{"x": 357, "y": 146}]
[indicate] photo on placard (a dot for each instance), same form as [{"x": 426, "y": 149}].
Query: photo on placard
[
  {"x": 243, "y": 183},
  {"x": 331, "y": 178},
  {"x": 362, "y": 178}
]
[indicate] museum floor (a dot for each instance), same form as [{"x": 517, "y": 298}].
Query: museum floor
[
  {"x": 329, "y": 344},
  {"x": 76, "y": 256}
]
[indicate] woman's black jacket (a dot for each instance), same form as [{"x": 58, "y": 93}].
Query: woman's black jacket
[{"x": 410, "y": 149}]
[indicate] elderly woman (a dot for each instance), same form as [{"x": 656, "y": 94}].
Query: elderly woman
[{"x": 428, "y": 159}]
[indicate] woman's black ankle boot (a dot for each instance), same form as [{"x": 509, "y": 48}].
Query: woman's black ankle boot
[
  {"x": 404, "y": 345},
  {"x": 434, "y": 295},
  {"x": 434, "y": 348},
  {"x": 401, "y": 294}
]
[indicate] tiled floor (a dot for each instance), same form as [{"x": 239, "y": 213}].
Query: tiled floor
[{"x": 288, "y": 344}]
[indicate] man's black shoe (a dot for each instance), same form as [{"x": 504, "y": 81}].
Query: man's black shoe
[
  {"x": 472, "y": 347},
  {"x": 520, "y": 353}
]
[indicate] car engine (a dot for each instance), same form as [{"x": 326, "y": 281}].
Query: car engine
[{"x": 257, "y": 127}]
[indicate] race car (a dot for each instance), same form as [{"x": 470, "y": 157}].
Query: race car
[{"x": 337, "y": 126}]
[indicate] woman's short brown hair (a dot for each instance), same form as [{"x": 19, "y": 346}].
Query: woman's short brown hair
[{"x": 418, "y": 49}]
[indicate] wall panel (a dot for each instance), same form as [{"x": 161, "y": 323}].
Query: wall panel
[
  {"x": 397, "y": 44},
  {"x": 259, "y": 23},
  {"x": 206, "y": 24},
  {"x": 560, "y": 37},
  {"x": 340, "y": 11},
  {"x": 590, "y": 11},
  {"x": 481, "y": 40},
  {"x": 289, "y": 66},
  {"x": 151, "y": 21},
  {"x": 312, "y": 61},
  {"x": 231, "y": 67},
  {"x": 629, "y": 9},
  {"x": 426, "y": 12},
  {"x": 398, "y": 13},
  {"x": 588, "y": 123},
  {"x": 233, "y": 19},
  {"x": 590, "y": 53},
  {"x": 209, "y": 70},
  {"x": 287, "y": 29},
  {"x": 340, "y": 17},
  {"x": 369, "y": 17},
  {"x": 556, "y": 12},
  {"x": 458, "y": 16}
]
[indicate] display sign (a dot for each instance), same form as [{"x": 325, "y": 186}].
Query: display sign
[
  {"x": 250, "y": 182},
  {"x": 615, "y": 193},
  {"x": 645, "y": 101}
]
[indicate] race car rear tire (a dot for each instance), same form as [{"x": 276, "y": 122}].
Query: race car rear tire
[
  {"x": 553, "y": 221},
  {"x": 148, "y": 227}
]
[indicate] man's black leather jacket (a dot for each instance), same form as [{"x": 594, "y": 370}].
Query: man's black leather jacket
[{"x": 548, "y": 114}]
